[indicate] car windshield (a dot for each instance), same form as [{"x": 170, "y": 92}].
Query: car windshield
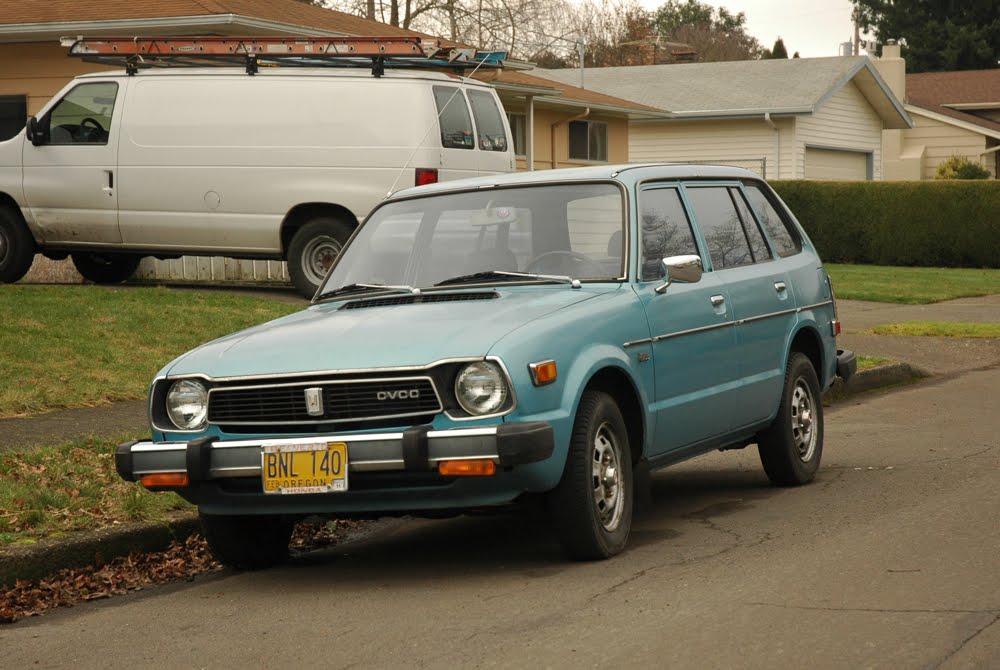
[{"x": 496, "y": 235}]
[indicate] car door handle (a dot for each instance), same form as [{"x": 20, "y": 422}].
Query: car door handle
[
  {"x": 717, "y": 300},
  {"x": 779, "y": 286}
]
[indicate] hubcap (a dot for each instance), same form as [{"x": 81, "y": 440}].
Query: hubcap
[
  {"x": 609, "y": 498},
  {"x": 803, "y": 430},
  {"x": 318, "y": 257}
]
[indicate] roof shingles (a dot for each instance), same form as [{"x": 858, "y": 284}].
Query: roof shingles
[{"x": 933, "y": 91}]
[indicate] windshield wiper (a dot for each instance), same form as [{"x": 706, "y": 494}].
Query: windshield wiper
[
  {"x": 366, "y": 288},
  {"x": 497, "y": 274}
]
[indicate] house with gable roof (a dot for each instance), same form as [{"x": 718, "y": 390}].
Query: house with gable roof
[{"x": 799, "y": 118}]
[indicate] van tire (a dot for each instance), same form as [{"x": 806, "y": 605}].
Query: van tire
[
  {"x": 314, "y": 248},
  {"x": 17, "y": 248},
  {"x": 106, "y": 268}
]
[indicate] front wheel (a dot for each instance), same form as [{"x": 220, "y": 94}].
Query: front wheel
[
  {"x": 248, "y": 542},
  {"x": 17, "y": 248},
  {"x": 591, "y": 508},
  {"x": 312, "y": 251},
  {"x": 791, "y": 447},
  {"x": 106, "y": 268}
]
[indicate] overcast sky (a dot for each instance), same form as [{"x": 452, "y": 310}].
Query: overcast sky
[{"x": 811, "y": 27}]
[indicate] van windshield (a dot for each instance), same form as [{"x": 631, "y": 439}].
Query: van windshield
[{"x": 488, "y": 236}]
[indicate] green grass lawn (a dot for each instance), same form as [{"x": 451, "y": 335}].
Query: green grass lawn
[
  {"x": 78, "y": 346},
  {"x": 938, "y": 329},
  {"x": 867, "y": 362},
  {"x": 915, "y": 286},
  {"x": 59, "y": 489}
]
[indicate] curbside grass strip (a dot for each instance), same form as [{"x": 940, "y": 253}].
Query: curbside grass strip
[
  {"x": 46, "y": 557},
  {"x": 880, "y": 376}
]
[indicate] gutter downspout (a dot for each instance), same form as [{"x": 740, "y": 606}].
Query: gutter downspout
[
  {"x": 585, "y": 114},
  {"x": 777, "y": 147}
]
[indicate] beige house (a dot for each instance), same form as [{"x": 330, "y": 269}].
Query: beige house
[
  {"x": 800, "y": 118},
  {"x": 554, "y": 125},
  {"x": 953, "y": 113}
]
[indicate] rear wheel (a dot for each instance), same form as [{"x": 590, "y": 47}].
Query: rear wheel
[
  {"x": 792, "y": 446},
  {"x": 313, "y": 249},
  {"x": 248, "y": 542},
  {"x": 106, "y": 268},
  {"x": 591, "y": 507},
  {"x": 17, "y": 248}
]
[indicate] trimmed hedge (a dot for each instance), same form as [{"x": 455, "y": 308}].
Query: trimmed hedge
[{"x": 928, "y": 223}]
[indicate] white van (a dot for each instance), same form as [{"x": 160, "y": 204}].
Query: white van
[{"x": 279, "y": 165}]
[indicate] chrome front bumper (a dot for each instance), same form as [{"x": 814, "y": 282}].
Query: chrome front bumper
[{"x": 415, "y": 449}]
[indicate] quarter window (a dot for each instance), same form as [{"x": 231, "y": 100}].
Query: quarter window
[
  {"x": 489, "y": 122},
  {"x": 778, "y": 232},
  {"x": 588, "y": 140},
  {"x": 720, "y": 225},
  {"x": 757, "y": 244},
  {"x": 453, "y": 118},
  {"x": 666, "y": 230},
  {"x": 83, "y": 116}
]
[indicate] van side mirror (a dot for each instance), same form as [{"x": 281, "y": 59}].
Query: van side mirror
[
  {"x": 685, "y": 269},
  {"x": 37, "y": 131}
]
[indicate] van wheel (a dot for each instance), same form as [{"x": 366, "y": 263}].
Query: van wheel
[
  {"x": 591, "y": 508},
  {"x": 17, "y": 248},
  {"x": 106, "y": 268},
  {"x": 248, "y": 542},
  {"x": 792, "y": 446},
  {"x": 314, "y": 248}
]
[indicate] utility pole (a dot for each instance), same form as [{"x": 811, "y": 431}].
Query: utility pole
[{"x": 857, "y": 32}]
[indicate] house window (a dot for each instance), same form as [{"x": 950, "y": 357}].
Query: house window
[
  {"x": 588, "y": 141},
  {"x": 13, "y": 115},
  {"x": 518, "y": 128}
]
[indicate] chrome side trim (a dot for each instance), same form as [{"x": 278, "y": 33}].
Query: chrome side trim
[
  {"x": 738, "y": 322},
  {"x": 159, "y": 447}
]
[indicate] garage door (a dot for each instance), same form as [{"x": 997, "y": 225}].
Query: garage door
[{"x": 833, "y": 164}]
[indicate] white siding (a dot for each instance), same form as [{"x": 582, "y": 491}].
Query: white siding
[
  {"x": 844, "y": 121},
  {"x": 728, "y": 142},
  {"x": 836, "y": 164},
  {"x": 943, "y": 140}
]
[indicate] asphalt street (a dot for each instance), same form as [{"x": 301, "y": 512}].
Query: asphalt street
[{"x": 890, "y": 559}]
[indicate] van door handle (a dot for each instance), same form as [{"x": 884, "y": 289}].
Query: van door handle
[
  {"x": 111, "y": 182},
  {"x": 717, "y": 300},
  {"x": 779, "y": 286}
]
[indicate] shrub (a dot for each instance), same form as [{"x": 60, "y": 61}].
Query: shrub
[
  {"x": 960, "y": 167},
  {"x": 927, "y": 223}
]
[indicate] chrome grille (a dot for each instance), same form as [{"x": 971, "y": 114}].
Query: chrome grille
[{"x": 343, "y": 401}]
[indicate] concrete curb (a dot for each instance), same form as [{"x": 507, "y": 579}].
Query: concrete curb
[{"x": 46, "y": 557}]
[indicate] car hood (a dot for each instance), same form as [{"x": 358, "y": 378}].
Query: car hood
[{"x": 331, "y": 337}]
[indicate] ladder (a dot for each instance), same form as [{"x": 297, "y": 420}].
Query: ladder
[{"x": 136, "y": 53}]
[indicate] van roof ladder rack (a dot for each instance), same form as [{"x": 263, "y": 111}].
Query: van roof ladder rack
[{"x": 379, "y": 53}]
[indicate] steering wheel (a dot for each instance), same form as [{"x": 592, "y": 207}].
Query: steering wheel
[
  {"x": 90, "y": 127},
  {"x": 574, "y": 256}
]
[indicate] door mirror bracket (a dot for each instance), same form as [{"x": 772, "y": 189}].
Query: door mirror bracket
[{"x": 685, "y": 269}]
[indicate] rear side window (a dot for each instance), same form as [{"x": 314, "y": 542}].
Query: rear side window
[
  {"x": 666, "y": 230},
  {"x": 720, "y": 224},
  {"x": 453, "y": 118},
  {"x": 489, "y": 122},
  {"x": 778, "y": 230}
]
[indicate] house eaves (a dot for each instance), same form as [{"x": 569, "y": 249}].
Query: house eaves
[
  {"x": 209, "y": 24},
  {"x": 632, "y": 113},
  {"x": 951, "y": 121},
  {"x": 876, "y": 92}
]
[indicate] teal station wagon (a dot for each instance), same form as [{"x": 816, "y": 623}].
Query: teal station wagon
[{"x": 552, "y": 335}]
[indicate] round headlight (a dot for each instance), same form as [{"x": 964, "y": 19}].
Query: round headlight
[
  {"x": 480, "y": 388},
  {"x": 187, "y": 404}
]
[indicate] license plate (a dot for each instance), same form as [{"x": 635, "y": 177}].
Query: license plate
[{"x": 311, "y": 467}]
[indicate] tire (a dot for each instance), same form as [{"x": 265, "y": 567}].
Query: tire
[
  {"x": 312, "y": 251},
  {"x": 17, "y": 248},
  {"x": 591, "y": 508},
  {"x": 248, "y": 542},
  {"x": 792, "y": 446},
  {"x": 106, "y": 268}
]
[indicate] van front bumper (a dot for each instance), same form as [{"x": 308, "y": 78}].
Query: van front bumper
[{"x": 417, "y": 449}]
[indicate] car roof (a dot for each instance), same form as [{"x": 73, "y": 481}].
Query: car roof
[{"x": 626, "y": 172}]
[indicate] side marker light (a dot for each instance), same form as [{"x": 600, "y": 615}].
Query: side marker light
[
  {"x": 158, "y": 480},
  {"x": 479, "y": 467},
  {"x": 543, "y": 373}
]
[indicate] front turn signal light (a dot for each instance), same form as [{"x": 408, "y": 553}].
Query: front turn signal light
[
  {"x": 476, "y": 467},
  {"x": 543, "y": 373},
  {"x": 160, "y": 480}
]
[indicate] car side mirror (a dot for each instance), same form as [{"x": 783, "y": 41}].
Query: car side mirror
[
  {"x": 37, "y": 131},
  {"x": 685, "y": 269}
]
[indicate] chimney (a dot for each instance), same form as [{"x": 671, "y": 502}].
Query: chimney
[{"x": 892, "y": 67}]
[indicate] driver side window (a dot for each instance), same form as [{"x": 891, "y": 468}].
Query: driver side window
[{"x": 83, "y": 116}]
